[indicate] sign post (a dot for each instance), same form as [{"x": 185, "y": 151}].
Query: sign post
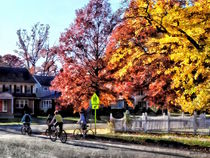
[{"x": 95, "y": 105}]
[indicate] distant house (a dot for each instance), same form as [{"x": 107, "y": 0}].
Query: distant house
[
  {"x": 46, "y": 96},
  {"x": 140, "y": 105},
  {"x": 17, "y": 91}
]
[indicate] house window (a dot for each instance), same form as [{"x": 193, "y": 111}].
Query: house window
[
  {"x": 28, "y": 90},
  {"x": 46, "y": 104},
  {"x": 26, "y": 102},
  {"x": 142, "y": 104},
  {"x": 21, "y": 103},
  {"x": 6, "y": 88},
  {"x": 5, "y": 106},
  {"x": 45, "y": 88},
  {"x": 140, "y": 92},
  {"x": 18, "y": 89}
]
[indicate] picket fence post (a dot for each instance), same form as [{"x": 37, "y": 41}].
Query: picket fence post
[
  {"x": 194, "y": 123},
  {"x": 144, "y": 122},
  {"x": 168, "y": 121}
]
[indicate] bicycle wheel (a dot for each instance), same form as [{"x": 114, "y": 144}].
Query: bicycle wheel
[
  {"x": 53, "y": 135},
  {"x": 29, "y": 131},
  {"x": 47, "y": 132},
  {"x": 23, "y": 130},
  {"x": 89, "y": 133},
  {"x": 63, "y": 136},
  {"x": 77, "y": 133}
]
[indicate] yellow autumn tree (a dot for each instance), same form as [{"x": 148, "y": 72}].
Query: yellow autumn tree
[{"x": 177, "y": 29}]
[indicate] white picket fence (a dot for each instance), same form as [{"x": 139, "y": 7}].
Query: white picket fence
[{"x": 190, "y": 124}]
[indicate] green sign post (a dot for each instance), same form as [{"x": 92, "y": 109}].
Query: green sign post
[{"x": 95, "y": 105}]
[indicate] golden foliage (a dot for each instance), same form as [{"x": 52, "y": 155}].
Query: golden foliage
[{"x": 179, "y": 30}]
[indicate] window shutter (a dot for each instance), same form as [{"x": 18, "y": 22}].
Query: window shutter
[
  {"x": 0, "y": 105},
  {"x": 31, "y": 89},
  {"x": 10, "y": 88},
  {"x": 14, "y": 88},
  {"x": 25, "y": 89}
]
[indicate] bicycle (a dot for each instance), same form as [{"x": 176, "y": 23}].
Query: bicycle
[
  {"x": 78, "y": 133},
  {"x": 54, "y": 133},
  {"x": 48, "y": 132},
  {"x": 26, "y": 129}
]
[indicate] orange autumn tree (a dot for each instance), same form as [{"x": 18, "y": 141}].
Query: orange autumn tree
[
  {"x": 81, "y": 51},
  {"x": 131, "y": 61},
  {"x": 173, "y": 36}
]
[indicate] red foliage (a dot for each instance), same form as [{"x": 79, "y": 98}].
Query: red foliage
[
  {"x": 82, "y": 48},
  {"x": 11, "y": 61}
]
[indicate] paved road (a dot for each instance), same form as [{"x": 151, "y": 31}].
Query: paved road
[{"x": 16, "y": 145}]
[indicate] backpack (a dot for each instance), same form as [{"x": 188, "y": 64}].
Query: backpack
[{"x": 27, "y": 118}]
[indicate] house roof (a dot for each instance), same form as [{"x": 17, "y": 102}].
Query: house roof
[
  {"x": 21, "y": 95},
  {"x": 52, "y": 96},
  {"x": 18, "y": 75},
  {"x": 44, "y": 80}
]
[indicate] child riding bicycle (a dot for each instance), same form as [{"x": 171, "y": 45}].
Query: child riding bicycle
[
  {"x": 26, "y": 119},
  {"x": 82, "y": 121},
  {"x": 49, "y": 119},
  {"x": 57, "y": 121}
]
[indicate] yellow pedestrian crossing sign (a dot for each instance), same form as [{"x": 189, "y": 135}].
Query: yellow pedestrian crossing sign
[
  {"x": 95, "y": 101},
  {"x": 95, "y": 106}
]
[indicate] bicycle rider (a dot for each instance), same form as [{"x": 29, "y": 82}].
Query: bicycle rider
[
  {"x": 82, "y": 121},
  {"x": 26, "y": 119},
  {"x": 58, "y": 121},
  {"x": 49, "y": 119}
]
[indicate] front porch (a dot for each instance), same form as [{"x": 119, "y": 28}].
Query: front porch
[{"x": 6, "y": 105}]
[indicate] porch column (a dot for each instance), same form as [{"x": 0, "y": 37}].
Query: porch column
[
  {"x": 33, "y": 106},
  {"x": 12, "y": 105}
]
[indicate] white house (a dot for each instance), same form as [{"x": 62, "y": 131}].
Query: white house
[{"x": 46, "y": 96}]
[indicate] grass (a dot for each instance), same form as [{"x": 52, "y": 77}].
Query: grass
[
  {"x": 71, "y": 119},
  {"x": 167, "y": 140},
  {"x": 12, "y": 121},
  {"x": 42, "y": 117},
  {"x": 207, "y": 115},
  {"x": 65, "y": 118},
  {"x": 9, "y": 123},
  {"x": 42, "y": 120},
  {"x": 15, "y": 121}
]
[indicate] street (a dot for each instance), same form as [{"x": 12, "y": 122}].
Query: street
[{"x": 13, "y": 144}]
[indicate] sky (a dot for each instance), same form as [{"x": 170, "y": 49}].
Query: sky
[{"x": 23, "y": 14}]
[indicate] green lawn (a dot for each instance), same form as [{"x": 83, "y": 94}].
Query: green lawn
[
  {"x": 166, "y": 140},
  {"x": 42, "y": 120},
  {"x": 173, "y": 140},
  {"x": 12, "y": 121},
  {"x": 42, "y": 117},
  {"x": 75, "y": 119},
  {"x": 17, "y": 121}
]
